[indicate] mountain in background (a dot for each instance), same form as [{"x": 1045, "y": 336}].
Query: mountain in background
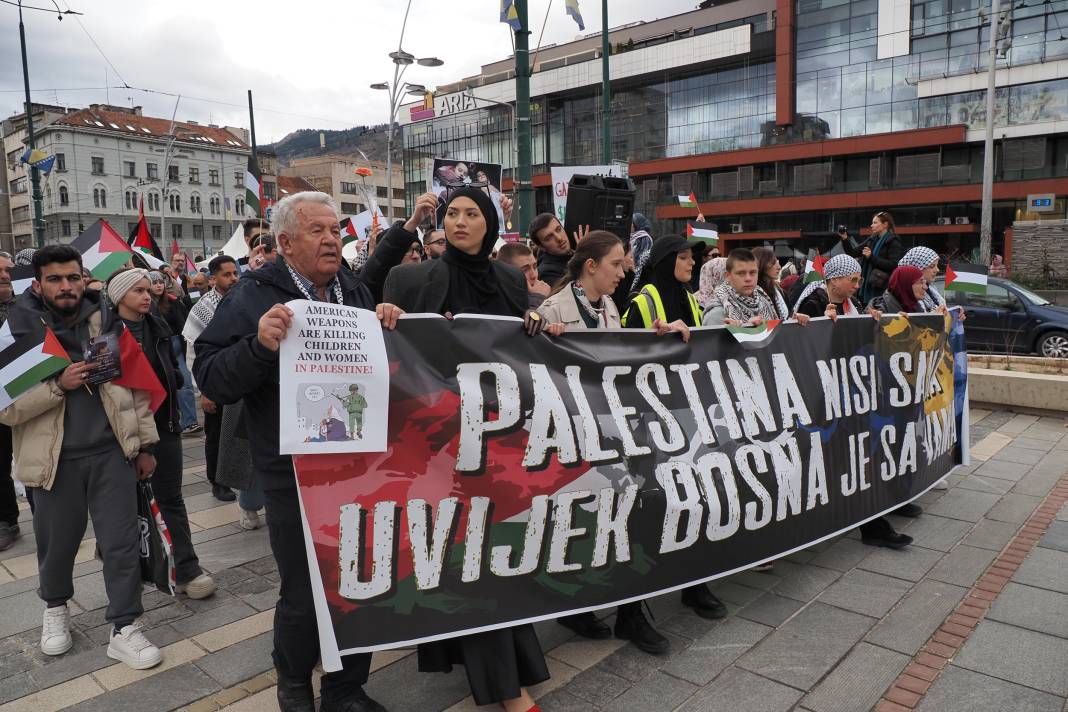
[{"x": 305, "y": 142}]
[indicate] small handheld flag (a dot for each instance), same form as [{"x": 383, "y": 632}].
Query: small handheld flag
[
  {"x": 688, "y": 201},
  {"x": 349, "y": 232},
  {"x": 754, "y": 334},
  {"x": 702, "y": 231},
  {"x": 103, "y": 250},
  {"x": 28, "y": 361},
  {"x": 137, "y": 372},
  {"x": 142, "y": 242},
  {"x": 814, "y": 268},
  {"x": 966, "y": 277}
]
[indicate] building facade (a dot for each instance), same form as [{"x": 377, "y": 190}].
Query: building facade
[
  {"x": 108, "y": 158},
  {"x": 336, "y": 175},
  {"x": 16, "y": 216},
  {"x": 788, "y": 118}
]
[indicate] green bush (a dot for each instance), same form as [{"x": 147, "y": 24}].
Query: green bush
[{"x": 1038, "y": 281}]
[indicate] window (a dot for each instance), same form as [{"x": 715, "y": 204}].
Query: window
[
  {"x": 216, "y": 232},
  {"x": 176, "y": 231},
  {"x": 131, "y": 169},
  {"x": 239, "y": 179},
  {"x": 98, "y": 166},
  {"x": 154, "y": 230},
  {"x": 18, "y": 185},
  {"x": 64, "y": 228},
  {"x": 194, "y": 175},
  {"x": 239, "y": 206},
  {"x": 381, "y": 191},
  {"x": 351, "y": 208},
  {"x": 214, "y": 205},
  {"x": 198, "y": 233},
  {"x": 176, "y": 202},
  {"x": 268, "y": 190},
  {"x": 349, "y": 188},
  {"x": 20, "y": 214},
  {"x": 153, "y": 201},
  {"x": 131, "y": 200},
  {"x": 152, "y": 171},
  {"x": 64, "y": 198},
  {"x": 213, "y": 176},
  {"x": 100, "y": 198},
  {"x": 194, "y": 204},
  {"x": 172, "y": 174},
  {"x": 61, "y": 162},
  {"x": 995, "y": 298}
]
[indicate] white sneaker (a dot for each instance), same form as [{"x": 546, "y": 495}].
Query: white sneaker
[
  {"x": 131, "y": 646},
  {"x": 55, "y": 635},
  {"x": 200, "y": 587},
  {"x": 250, "y": 519},
  {"x": 941, "y": 485}
]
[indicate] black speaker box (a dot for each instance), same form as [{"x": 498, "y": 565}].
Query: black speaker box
[{"x": 602, "y": 202}]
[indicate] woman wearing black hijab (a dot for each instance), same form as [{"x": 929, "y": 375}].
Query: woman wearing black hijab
[
  {"x": 663, "y": 300},
  {"x": 501, "y": 664}
]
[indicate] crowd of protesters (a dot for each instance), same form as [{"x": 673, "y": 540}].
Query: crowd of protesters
[{"x": 217, "y": 333}]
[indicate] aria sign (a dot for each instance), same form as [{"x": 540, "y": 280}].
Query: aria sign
[{"x": 444, "y": 106}]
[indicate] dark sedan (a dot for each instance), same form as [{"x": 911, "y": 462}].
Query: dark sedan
[{"x": 1011, "y": 319}]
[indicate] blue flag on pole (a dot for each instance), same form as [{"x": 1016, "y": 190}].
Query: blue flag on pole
[
  {"x": 572, "y": 8},
  {"x": 509, "y": 15}
]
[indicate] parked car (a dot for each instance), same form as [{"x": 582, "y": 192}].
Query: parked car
[{"x": 1011, "y": 319}]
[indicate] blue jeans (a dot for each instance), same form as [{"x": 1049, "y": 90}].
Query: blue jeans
[
  {"x": 251, "y": 499},
  {"x": 187, "y": 406}
]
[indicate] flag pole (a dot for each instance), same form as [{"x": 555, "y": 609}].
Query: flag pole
[
  {"x": 523, "y": 181},
  {"x": 606, "y": 88}
]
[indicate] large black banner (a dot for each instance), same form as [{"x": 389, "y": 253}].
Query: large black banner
[{"x": 526, "y": 478}]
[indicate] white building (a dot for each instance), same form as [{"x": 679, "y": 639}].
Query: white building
[{"x": 107, "y": 157}]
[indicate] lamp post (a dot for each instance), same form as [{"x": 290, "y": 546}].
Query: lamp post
[
  {"x": 401, "y": 61},
  {"x": 999, "y": 27}
]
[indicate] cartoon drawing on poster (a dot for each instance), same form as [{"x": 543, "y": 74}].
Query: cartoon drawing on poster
[
  {"x": 448, "y": 175},
  {"x": 333, "y": 381}
]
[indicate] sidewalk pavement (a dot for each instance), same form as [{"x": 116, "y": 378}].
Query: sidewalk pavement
[{"x": 973, "y": 616}]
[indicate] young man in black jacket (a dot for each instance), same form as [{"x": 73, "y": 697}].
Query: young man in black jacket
[{"x": 237, "y": 357}]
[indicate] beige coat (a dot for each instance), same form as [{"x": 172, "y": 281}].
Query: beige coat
[
  {"x": 562, "y": 308},
  {"x": 36, "y": 422}
]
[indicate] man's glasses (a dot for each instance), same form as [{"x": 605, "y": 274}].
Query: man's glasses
[
  {"x": 437, "y": 243},
  {"x": 416, "y": 250}
]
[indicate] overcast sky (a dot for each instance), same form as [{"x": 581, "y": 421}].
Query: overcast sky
[{"x": 308, "y": 63}]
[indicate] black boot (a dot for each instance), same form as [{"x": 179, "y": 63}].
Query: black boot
[
  {"x": 223, "y": 494},
  {"x": 587, "y": 625},
  {"x": 908, "y": 510},
  {"x": 703, "y": 602},
  {"x": 631, "y": 625},
  {"x": 356, "y": 701},
  {"x": 879, "y": 532},
  {"x": 295, "y": 695}
]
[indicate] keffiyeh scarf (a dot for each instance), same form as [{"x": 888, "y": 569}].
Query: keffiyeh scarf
[
  {"x": 743, "y": 308},
  {"x": 922, "y": 258},
  {"x": 841, "y": 265}
]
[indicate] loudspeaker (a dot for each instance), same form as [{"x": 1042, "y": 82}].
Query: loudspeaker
[{"x": 602, "y": 202}]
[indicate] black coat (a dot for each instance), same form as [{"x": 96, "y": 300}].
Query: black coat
[
  {"x": 232, "y": 364},
  {"x": 552, "y": 268},
  {"x": 424, "y": 287},
  {"x": 157, "y": 348},
  {"x": 392, "y": 245},
  {"x": 816, "y": 302}
]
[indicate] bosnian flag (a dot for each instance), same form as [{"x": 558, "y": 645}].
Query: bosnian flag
[
  {"x": 814, "y": 268},
  {"x": 349, "y": 232},
  {"x": 103, "y": 250},
  {"x": 966, "y": 277},
  {"x": 28, "y": 361},
  {"x": 754, "y": 334},
  {"x": 688, "y": 201},
  {"x": 702, "y": 231}
]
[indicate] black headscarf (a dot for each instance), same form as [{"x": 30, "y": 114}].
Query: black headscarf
[
  {"x": 473, "y": 286},
  {"x": 660, "y": 272}
]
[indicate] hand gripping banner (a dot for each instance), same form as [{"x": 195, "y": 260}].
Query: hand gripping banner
[{"x": 528, "y": 478}]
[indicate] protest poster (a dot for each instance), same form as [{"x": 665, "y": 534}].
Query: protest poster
[
  {"x": 448, "y": 174},
  {"x": 529, "y": 478},
  {"x": 334, "y": 381},
  {"x": 561, "y": 177}
]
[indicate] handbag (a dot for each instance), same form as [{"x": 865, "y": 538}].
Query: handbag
[{"x": 157, "y": 554}]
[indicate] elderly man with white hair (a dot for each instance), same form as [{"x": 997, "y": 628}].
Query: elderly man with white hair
[{"x": 237, "y": 358}]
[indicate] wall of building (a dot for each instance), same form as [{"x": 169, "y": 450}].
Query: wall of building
[
  {"x": 335, "y": 175},
  {"x": 1039, "y": 248}
]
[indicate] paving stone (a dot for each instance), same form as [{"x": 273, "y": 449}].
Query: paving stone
[
  {"x": 1022, "y": 656},
  {"x": 401, "y": 686},
  {"x": 583, "y": 653},
  {"x": 939, "y": 533},
  {"x": 1019, "y": 423},
  {"x": 89, "y": 591},
  {"x": 917, "y": 617},
  {"x": 164, "y": 691},
  {"x": 596, "y": 686},
  {"x": 632, "y": 664},
  {"x": 216, "y": 533},
  {"x": 982, "y": 483},
  {"x": 686, "y": 624},
  {"x": 865, "y": 592},
  {"x": 960, "y": 690},
  {"x": 22, "y": 612},
  {"x": 858, "y": 682},
  {"x": 964, "y": 504},
  {"x": 14, "y": 685},
  {"x": 228, "y": 552},
  {"x": 561, "y": 701},
  {"x": 1044, "y": 568},
  {"x": 710, "y": 654},
  {"x": 843, "y": 555},
  {"x": 213, "y": 618},
  {"x": 551, "y": 634},
  {"x": 1033, "y": 608},
  {"x": 1014, "y": 508},
  {"x": 70, "y": 665},
  {"x": 1018, "y": 455},
  {"x": 762, "y": 580},
  {"x": 805, "y": 648},
  {"x": 803, "y": 583},
  {"x": 1033, "y": 443},
  {"x": 1003, "y": 470},
  {"x": 658, "y": 691},
  {"x": 771, "y": 609},
  {"x": 741, "y": 691},
  {"x": 910, "y": 563},
  {"x": 989, "y": 534},
  {"x": 1056, "y": 537},
  {"x": 1037, "y": 483},
  {"x": 239, "y": 662},
  {"x": 963, "y": 566}
]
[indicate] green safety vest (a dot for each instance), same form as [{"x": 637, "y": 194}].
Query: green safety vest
[{"x": 650, "y": 307}]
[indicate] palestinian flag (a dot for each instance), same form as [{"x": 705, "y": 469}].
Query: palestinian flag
[
  {"x": 22, "y": 277},
  {"x": 688, "y": 201},
  {"x": 137, "y": 372},
  {"x": 190, "y": 265},
  {"x": 702, "y": 231},
  {"x": 253, "y": 190},
  {"x": 754, "y": 334},
  {"x": 142, "y": 243},
  {"x": 28, "y": 361},
  {"x": 349, "y": 232},
  {"x": 103, "y": 250},
  {"x": 814, "y": 268},
  {"x": 966, "y": 277}
]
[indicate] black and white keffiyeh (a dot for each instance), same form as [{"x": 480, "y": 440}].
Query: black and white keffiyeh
[
  {"x": 921, "y": 258},
  {"x": 744, "y": 308},
  {"x": 841, "y": 265}
]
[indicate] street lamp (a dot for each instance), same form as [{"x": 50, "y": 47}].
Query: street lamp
[{"x": 999, "y": 29}]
